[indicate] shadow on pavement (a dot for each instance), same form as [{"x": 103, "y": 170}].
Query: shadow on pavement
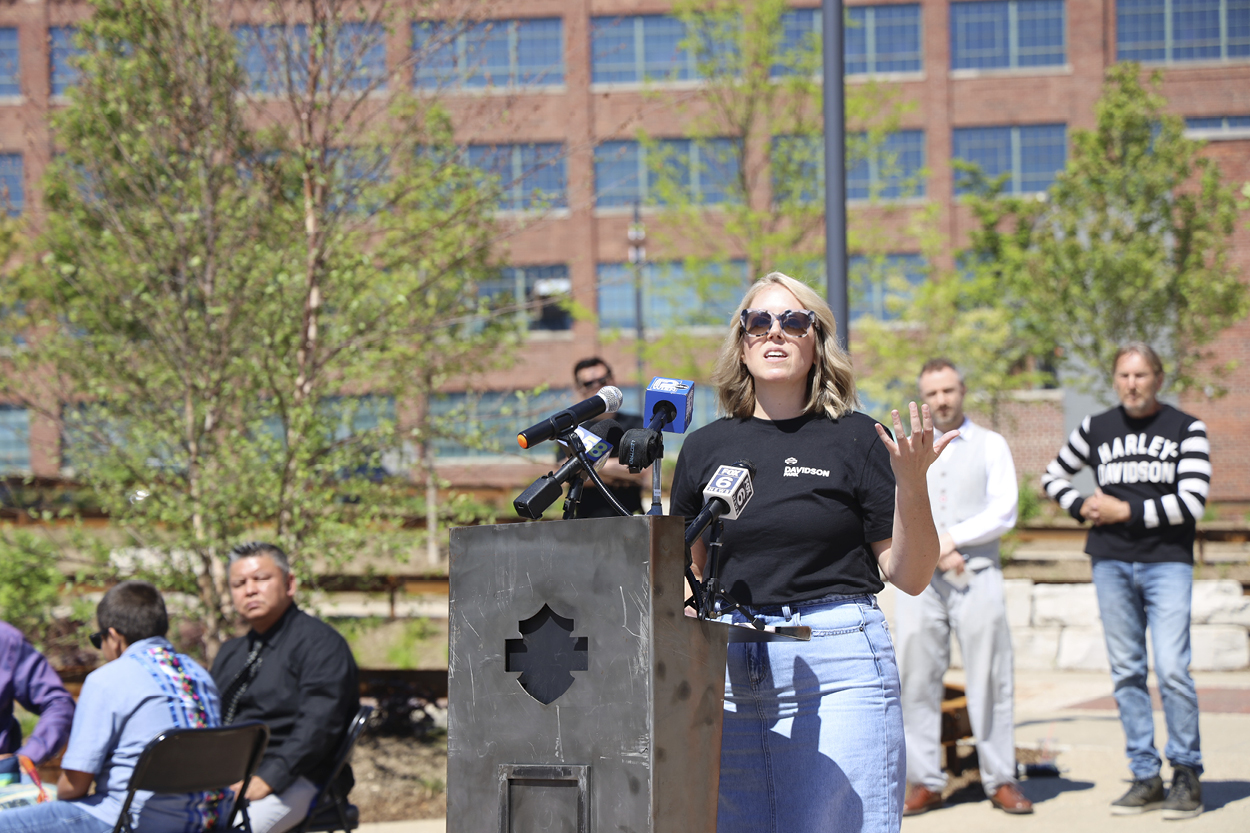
[
  {"x": 1084, "y": 718},
  {"x": 1215, "y": 794},
  {"x": 1036, "y": 790}
]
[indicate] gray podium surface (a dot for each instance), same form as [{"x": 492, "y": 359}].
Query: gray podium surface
[{"x": 581, "y": 697}]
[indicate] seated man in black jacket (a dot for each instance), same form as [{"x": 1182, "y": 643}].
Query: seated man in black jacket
[{"x": 292, "y": 671}]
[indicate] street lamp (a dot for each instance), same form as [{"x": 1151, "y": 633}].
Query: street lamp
[
  {"x": 637, "y": 237},
  {"x": 835, "y": 166}
]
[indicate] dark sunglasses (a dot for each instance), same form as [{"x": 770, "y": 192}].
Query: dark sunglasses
[
  {"x": 97, "y": 639},
  {"x": 795, "y": 323},
  {"x": 595, "y": 384}
]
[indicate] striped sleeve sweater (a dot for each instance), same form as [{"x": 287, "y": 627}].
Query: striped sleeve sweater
[{"x": 1160, "y": 465}]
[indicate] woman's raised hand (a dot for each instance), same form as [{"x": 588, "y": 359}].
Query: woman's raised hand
[{"x": 911, "y": 456}]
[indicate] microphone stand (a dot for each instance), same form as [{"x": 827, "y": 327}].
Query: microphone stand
[{"x": 660, "y": 417}]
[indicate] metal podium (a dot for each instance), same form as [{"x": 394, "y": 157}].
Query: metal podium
[{"x": 582, "y": 699}]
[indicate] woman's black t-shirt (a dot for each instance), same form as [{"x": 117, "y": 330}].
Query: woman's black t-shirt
[{"x": 823, "y": 490}]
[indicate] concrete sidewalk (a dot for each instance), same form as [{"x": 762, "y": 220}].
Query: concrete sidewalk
[{"x": 1069, "y": 711}]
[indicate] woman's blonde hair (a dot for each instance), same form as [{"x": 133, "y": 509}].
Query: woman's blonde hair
[{"x": 830, "y": 382}]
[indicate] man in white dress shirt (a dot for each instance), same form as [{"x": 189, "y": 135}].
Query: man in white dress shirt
[{"x": 973, "y": 492}]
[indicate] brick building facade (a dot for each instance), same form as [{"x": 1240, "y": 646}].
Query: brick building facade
[{"x": 1002, "y": 83}]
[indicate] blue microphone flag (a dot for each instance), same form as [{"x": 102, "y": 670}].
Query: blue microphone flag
[{"x": 677, "y": 392}]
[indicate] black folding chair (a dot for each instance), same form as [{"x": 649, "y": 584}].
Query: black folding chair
[
  {"x": 198, "y": 760},
  {"x": 331, "y": 811}
]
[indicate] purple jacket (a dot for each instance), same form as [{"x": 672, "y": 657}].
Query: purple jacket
[{"x": 26, "y": 676}]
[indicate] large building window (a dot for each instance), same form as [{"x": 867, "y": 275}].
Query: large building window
[
  {"x": 672, "y": 295},
  {"x": 877, "y": 39},
  {"x": 627, "y": 172},
  {"x": 1006, "y": 34},
  {"x": 881, "y": 286},
  {"x": 537, "y": 294},
  {"x": 476, "y": 425},
  {"x": 491, "y": 53},
  {"x": 10, "y": 63},
  {"x": 891, "y": 170},
  {"x": 14, "y": 440},
  {"x": 1182, "y": 30},
  {"x": 1218, "y": 127},
  {"x": 532, "y": 176},
  {"x": 12, "y": 184},
  {"x": 625, "y": 50},
  {"x": 1031, "y": 154},
  {"x": 61, "y": 53},
  {"x": 359, "y": 51}
]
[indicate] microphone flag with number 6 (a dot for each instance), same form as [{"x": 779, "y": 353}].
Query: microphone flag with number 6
[
  {"x": 731, "y": 484},
  {"x": 724, "y": 496}
]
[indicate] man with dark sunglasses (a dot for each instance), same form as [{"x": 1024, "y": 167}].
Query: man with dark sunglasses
[
  {"x": 144, "y": 688},
  {"x": 590, "y": 376}
]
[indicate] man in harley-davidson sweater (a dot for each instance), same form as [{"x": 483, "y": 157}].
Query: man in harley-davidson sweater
[{"x": 1153, "y": 468}]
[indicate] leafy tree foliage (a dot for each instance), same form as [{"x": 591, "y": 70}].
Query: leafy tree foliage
[
  {"x": 765, "y": 98},
  {"x": 1131, "y": 242},
  {"x": 243, "y": 296}
]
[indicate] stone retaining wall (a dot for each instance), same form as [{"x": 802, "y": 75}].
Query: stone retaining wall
[{"x": 1056, "y": 626}]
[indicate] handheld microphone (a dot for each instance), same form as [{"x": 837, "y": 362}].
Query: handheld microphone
[
  {"x": 725, "y": 494},
  {"x": 672, "y": 398},
  {"x": 540, "y": 494},
  {"x": 606, "y": 401}
]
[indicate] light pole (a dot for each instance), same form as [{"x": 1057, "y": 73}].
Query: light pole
[
  {"x": 637, "y": 237},
  {"x": 835, "y": 166}
]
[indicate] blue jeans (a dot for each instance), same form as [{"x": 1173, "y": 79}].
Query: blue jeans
[
  {"x": 1132, "y": 597},
  {"x": 51, "y": 817},
  {"x": 813, "y": 732}
]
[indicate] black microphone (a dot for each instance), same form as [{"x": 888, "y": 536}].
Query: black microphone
[
  {"x": 543, "y": 492},
  {"x": 725, "y": 494},
  {"x": 606, "y": 401}
]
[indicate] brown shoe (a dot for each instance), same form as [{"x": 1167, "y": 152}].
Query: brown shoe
[
  {"x": 921, "y": 799},
  {"x": 1009, "y": 799}
]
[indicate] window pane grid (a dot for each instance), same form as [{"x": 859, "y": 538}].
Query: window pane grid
[
  {"x": 1031, "y": 154},
  {"x": 14, "y": 440},
  {"x": 495, "y": 416},
  {"x": 537, "y": 292},
  {"x": 705, "y": 171},
  {"x": 12, "y": 184},
  {"x": 895, "y": 38},
  {"x": 1007, "y": 34},
  {"x": 532, "y": 176},
  {"x": 670, "y": 297},
  {"x": 360, "y": 49},
  {"x": 491, "y": 53},
  {"x": 629, "y": 50},
  {"x": 881, "y": 286},
  {"x": 10, "y": 65},
  {"x": 889, "y": 171},
  {"x": 64, "y": 75},
  {"x": 1182, "y": 30}
]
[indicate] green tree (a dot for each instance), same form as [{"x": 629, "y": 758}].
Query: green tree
[
  {"x": 756, "y": 122},
  {"x": 234, "y": 298},
  {"x": 1132, "y": 242}
]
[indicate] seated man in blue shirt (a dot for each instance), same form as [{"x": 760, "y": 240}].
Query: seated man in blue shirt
[{"x": 144, "y": 689}]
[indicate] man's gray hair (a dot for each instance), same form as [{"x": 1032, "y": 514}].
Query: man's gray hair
[
  {"x": 255, "y": 549},
  {"x": 1142, "y": 349}
]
